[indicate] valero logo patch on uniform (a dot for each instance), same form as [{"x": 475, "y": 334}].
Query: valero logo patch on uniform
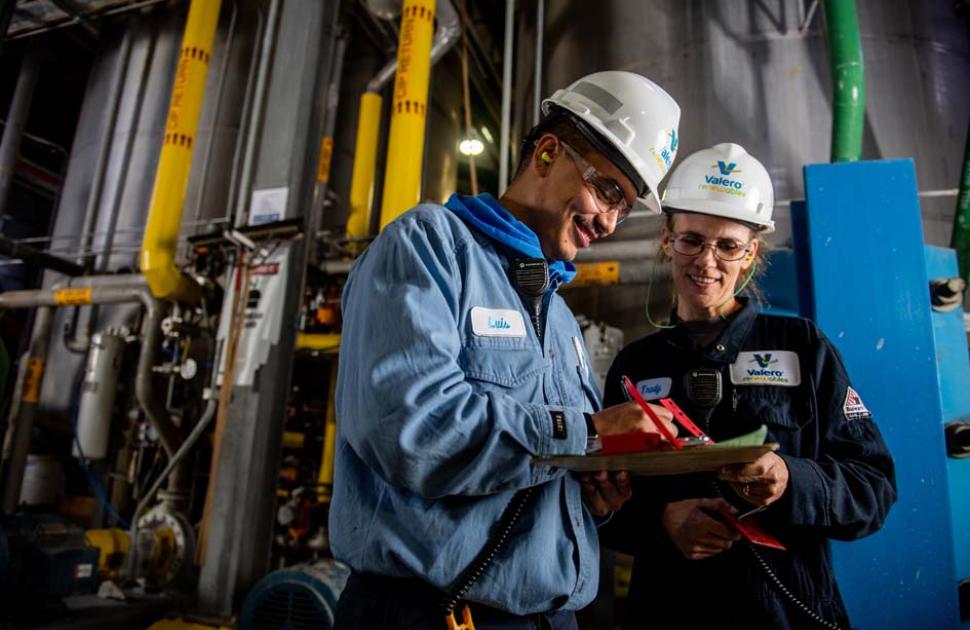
[
  {"x": 853, "y": 407},
  {"x": 767, "y": 367}
]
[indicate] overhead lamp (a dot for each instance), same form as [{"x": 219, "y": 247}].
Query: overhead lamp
[{"x": 471, "y": 146}]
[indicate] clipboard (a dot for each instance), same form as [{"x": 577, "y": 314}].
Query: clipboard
[{"x": 668, "y": 462}]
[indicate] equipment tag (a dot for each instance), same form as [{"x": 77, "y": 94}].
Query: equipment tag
[
  {"x": 768, "y": 367},
  {"x": 497, "y": 322}
]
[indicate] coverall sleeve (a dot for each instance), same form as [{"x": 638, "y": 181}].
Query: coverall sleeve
[
  {"x": 845, "y": 492},
  {"x": 403, "y": 401}
]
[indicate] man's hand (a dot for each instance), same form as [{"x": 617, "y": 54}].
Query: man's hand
[
  {"x": 605, "y": 492},
  {"x": 762, "y": 482},
  {"x": 695, "y": 531},
  {"x": 628, "y": 417}
]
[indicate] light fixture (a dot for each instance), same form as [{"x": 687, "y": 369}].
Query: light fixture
[{"x": 471, "y": 146}]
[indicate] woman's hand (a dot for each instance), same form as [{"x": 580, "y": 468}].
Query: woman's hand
[
  {"x": 762, "y": 482},
  {"x": 694, "y": 528}
]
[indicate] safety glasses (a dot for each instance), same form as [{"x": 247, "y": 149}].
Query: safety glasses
[
  {"x": 606, "y": 191},
  {"x": 727, "y": 249}
]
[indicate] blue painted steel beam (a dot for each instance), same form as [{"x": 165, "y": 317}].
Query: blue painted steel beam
[{"x": 864, "y": 257}]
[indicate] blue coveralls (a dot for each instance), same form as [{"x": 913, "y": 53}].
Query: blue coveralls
[
  {"x": 784, "y": 373},
  {"x": 444, "y": 395}
]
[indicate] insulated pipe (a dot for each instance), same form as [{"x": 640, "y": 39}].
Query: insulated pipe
[
  {"x": 365, "y": 165},
  {"x": 113, "y": 290},
  {"x": 172, "y": 176},
  {"x": 13, "y": 131},
  {"x": 961, "y": 218},
  {"x": 445, "y": 36},
  {"x": 16, "y": 444},
  {"x": 405, "y": 150},
  {"x": 503, "y": 157},
  {"x": 369, "y": 126},
  {"x": 848, "y": 80}
]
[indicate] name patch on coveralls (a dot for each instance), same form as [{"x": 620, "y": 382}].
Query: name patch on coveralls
[
  {"x": 654, "y": 388},
  {"x": 497, "y": 322},
  {"x": 767, "y": 367}
]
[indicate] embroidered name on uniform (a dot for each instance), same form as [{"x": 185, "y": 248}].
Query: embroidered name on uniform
[
  {"x": 853, "y": 407},
  {"x": 767, "y": 367},
  {"x": 558, "y": 424},
  {"x": 654, "y": 388},
  {"x": 497, "y": 322}
]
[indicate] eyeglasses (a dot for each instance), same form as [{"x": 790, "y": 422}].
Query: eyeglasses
[
  {"x": 607, "y": 191},
  {"x": 727, "y": 249}
]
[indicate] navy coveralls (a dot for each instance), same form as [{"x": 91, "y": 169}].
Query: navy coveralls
[{"x": 781, "y": 372}]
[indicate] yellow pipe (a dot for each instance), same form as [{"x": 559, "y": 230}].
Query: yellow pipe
[
  {"x": 172, "y": 177},
  {"x": 365, "y": 163},
  {"x": 405, "y": 151},
  {"x": 325, "y": 478},
  {"x": 308, "y": 341}
]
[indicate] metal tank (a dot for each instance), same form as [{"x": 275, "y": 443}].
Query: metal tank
[{"x": 757, "y": 73}]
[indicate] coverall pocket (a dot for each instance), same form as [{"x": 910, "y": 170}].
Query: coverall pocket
[
  {"x": 509, "y": 369},
  {"x": 778, "y": 407}
]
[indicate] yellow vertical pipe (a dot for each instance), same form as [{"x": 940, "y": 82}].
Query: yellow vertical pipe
[
  {"x": 172, "y": 176},
  {"x": 365, "y": 163},
  {"x": 325, "y": 478},
  {"x": 405, "y": 151}
]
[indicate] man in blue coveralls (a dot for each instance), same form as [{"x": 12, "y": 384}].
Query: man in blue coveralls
[{"x": 456, "y": 370}]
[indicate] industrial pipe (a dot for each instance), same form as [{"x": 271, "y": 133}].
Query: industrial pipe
[
  {"x": 175, "y": 160},
  {"x": 409, "y": 109},
  {"x": 369, "y": 126},
  {"x": 32, "y": 256},
  {"x": 960, "y": 240},
  {"x": 112, "y": 290},
  {"x": 16, "y": 120},
  {"x": 503, "y": 152},
  {"x": 16, "y": 444},
  {"x": 365, "y": 165},
  {"x": 848, "y": 80}
]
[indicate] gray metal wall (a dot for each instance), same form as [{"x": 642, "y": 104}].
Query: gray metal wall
[
  {"x": 134, "y": 145},
  {"x": 743, "y": 72}
]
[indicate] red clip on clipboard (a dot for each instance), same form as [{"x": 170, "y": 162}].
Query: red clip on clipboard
[
  {"x": 684, "y": 420},
  {"x": 634, "y": 395}
]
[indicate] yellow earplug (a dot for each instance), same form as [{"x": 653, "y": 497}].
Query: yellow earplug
[{"x": 545, "y": 157}]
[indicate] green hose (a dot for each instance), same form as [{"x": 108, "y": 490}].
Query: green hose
[{"x": 848, "y": 80}]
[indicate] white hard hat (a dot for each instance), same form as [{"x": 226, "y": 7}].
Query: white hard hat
[
  {"x": 635, "y": 118},
  {"x": 723, "y": 181}
]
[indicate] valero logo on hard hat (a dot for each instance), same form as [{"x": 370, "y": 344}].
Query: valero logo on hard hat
[
  {"x": 726, "y": 169},
  {"x": 724, "y": 184},
  {"x": 667, "y": 152}
]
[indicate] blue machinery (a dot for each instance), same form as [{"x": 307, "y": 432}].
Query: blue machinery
[{"x": 861, "y": 271}]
